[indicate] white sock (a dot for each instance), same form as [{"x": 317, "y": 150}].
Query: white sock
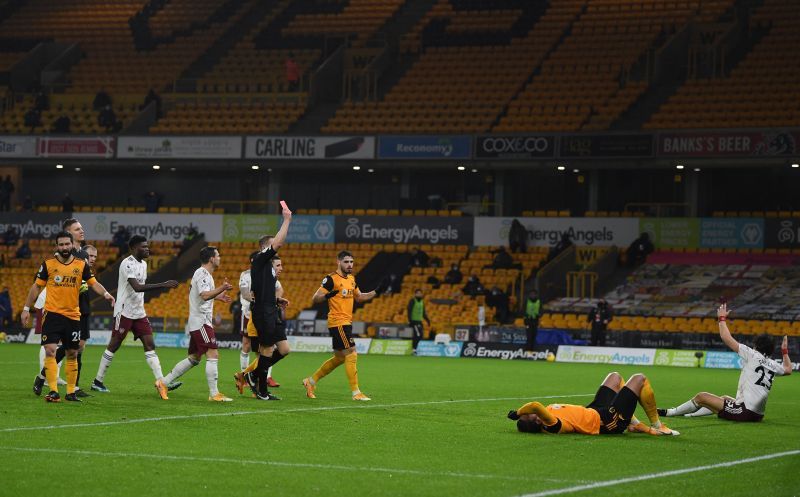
[
  {"x": 152, "y": 360},
  {"x": 179, "y": 370},
  {"x": 704, "y": 411},
  {"x": 269, "y": 372},
  {"x": 42, "y": 355},
  {"x": 211, "y": 376},
  {"x": 687, "y": 407},
  {"x": 244, "y": 360},
  {"x": 105, "y": 362}
]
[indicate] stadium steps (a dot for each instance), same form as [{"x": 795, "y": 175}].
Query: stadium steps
[
  {"x": 648, "y": 103},
  {"x": 402, "y": 21},
  {"x": 314, "y": 119},
  {"x": 378, "y": 269},
  {"x": 206, "y": 62},
  {"x": 395, "y": 73}
]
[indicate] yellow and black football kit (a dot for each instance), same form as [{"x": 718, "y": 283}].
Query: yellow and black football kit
[
  {"x": 61, "y": 313},
  {"x": 340, "y": 308}
]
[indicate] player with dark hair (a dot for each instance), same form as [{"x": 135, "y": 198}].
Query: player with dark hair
[
  {"x": 272, "y": 343},
  {"x": 340, "y": 291},
  {"x": 62, "y": 275},
  {"x": 611, "y": 411},
  {"x": 755, "y": 380},
  {"x": 129, "y": 315},
  {"x": 202, "y": 339}
]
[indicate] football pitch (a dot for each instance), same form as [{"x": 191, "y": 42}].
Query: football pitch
[{"x": 435, "y": 427}]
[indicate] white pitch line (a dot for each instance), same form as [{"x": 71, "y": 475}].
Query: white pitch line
[
  {"x": 664, "y": 474},
  {"x": 336, "y": 467},
  {"x": 299, "y": 409}
]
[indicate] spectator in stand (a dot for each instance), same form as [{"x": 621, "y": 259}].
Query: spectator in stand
[
  {"x": 27, "y": 204},
  {"x": 598, "y": 318},
  {"x": 473, "y": 288},
  {"x": 533, "y": 311},
  {"x": 67, "y": 205},
  {"x": 498, "y": 299},
  {"x": 292, "y": 73},
  {"x": 389, "y": 285},
  {"x": 63, "y": 124},
  {"x": 639, "y": 250},
  {"x": 152, "y": 202},
  {"x": 6, "y": 189},
  {"x": 40, "y": 101},
  {"x": 107, "y": 119},
  {"x": 503, "y": 260},
  {"x": 101, "y": 100},
  {"x": 151, "y": 97},
  {"x": 416, "y": 313},
  {"x": 562, "y": 245},
  {"x": 454, "y": 276},
  {"x": 24, "y": 251},
  {"x": 33, "y": 119},
  {"x": 517, "y": 237},
  {"x": 6, "y": 311},
  {"x": 419, "y": 258},
  {"x": 120, "y": 240}
]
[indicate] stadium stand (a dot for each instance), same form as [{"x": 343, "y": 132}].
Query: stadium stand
[
  {"x": 83, "y": 118},
  {"x": 731, "y": 102},
  {"x": 358, "y": 18}
]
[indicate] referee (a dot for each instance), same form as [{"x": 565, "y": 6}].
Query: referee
[{"x": 272, "y": 343}]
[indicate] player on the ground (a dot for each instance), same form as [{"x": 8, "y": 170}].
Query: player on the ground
[
  {"x": 340, "y": 290},
  {"x": 246, "y": 376},
  {"x": 62, "y": 275},
  {"x": 272, "y": 343},
  {"x": 202, "y": 340},
  {"x": 755, "y": 380},
  {"x": 79, "y": 250},
  {"x": 129, "y": 315},
  {"x": 611, "y": 411}
]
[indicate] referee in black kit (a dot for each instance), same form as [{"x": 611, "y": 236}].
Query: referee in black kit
[{"x": 272, "y": 343}]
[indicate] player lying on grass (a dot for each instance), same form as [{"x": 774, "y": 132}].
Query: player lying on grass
[
  {"x": 755, "y": 380},
  {"x": 610, "y": 412}
]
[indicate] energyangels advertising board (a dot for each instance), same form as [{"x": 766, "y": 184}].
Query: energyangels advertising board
[{"x": 546, "y": 231}]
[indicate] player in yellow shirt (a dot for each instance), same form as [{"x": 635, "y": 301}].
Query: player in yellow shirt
[
  {"x": 62, "y": 275},
  {"x": 341, "y": 291},
  {"x": 611, "y": 411}
]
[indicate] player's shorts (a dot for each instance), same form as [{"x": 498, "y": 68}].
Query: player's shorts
[
  {"x": 39, "y": 321},
  {"x": 140, "y": 327},
  {"x": 268, "y": 328},
  {"x": 615, "y": 408},
  {"x": 85, "y": 335},
  {"x": 245, "y": 326},
  {"x": 738, "y": 412},
  {"x": 200, "y": 341},
  {"x": 58, "y": 328},
  {"x": 342, "y": 336}
]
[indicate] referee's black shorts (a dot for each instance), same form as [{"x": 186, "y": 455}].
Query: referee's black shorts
[{"x": 268, "y": 327}]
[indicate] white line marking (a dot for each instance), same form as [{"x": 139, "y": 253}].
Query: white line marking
[
  {"x": 335, "y": 467},
  {"x": 299, "y": 409},
  {"x": 651, "y": 476}
]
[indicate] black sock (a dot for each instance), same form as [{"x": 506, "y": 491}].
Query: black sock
[
  {"x": 80, "y": 363},
  {"x": 262, "y": 367},
  {"x": 276, "y": 356}
]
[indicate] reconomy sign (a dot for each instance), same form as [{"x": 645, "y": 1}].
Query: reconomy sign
[
  {"x": 179, "y": 147},
  {"x": 160, "y": 227},
  {"x": 310, "y": 147},
  {"x": 606, "y": 355},
  {"x": 514, "y": 147},
  {"x": 32, "y": 224},
  {"x": 547, "y": 231},
  {"x": 398, "y": 229},
  {"x": 425, "y": 147}
]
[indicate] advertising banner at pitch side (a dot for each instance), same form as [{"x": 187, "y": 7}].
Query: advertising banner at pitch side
[
  {"x": 399, "y": 229},
  {"x": 547, "y": 231},
  {"x": 179, "y": 147},
  {"x": 514, "y": 147},
  {"x": 17, "y": 146},
  {"x": 309, "y": 147},
  {"x": 160, "y": 227}
]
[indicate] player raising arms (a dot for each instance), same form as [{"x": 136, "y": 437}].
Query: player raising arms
[
  {"x": 340, "y": 290},
  {"x": 202, "y": 340},
  {"x": 611, "y": 411},
  {"x": 129, "y": 314},
  {"x": 755, "y": 380},
  {"x": 62, "y": 275}
]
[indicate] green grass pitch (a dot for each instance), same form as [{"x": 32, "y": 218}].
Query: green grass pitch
[{"x": 435, "y": 427}]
